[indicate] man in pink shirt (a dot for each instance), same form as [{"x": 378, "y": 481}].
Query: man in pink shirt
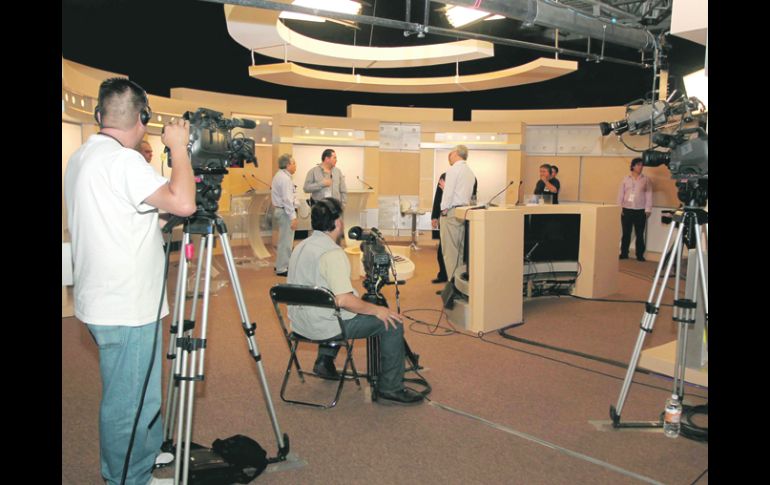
[{"x": 635, "y": 199}]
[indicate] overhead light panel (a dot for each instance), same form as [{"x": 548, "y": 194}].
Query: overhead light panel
[
  {"x": 341, "y": 6},
  {"x": 459, "y": 16}
]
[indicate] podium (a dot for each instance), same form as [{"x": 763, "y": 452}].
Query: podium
[{"x": 496, "y": 260}]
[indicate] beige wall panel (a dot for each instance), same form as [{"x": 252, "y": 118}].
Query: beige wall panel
[
  {"x": 397, "y": 114},
  {"x": 241, "y": 104},
  {"x": 162, "y": 105},
  {"x": 515, "y": 171},
  {"x": 293, "y": 120},
  {"x": 569, "y": 175},
  {"x": 427, "y": 189},
  {"x": 372, "y": 174},
  {"x": 235, "y": 184},
  {"x": 83, "y": 79},
  {"x": 399, "y": 173},
  {"x": 505, "y": 126},
  {"x": 278, "y": 150},
  {"x": 577, "y": 116},
  {"x": 601, "y": 177}
]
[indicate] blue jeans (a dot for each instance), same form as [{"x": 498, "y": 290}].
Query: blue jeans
[{"x": 124, "y": 357}]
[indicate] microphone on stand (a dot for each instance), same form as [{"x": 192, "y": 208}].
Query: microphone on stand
[
  {"x": 261, "y": 181},
  {"x": 251, "y": 188},
  {"x": 362, "y": 181},
  {"x": 489, "y": 203}
]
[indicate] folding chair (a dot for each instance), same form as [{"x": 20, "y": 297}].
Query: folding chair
[{"x": 316, "y": 297}]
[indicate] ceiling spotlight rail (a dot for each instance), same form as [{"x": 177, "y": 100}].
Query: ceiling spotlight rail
[{"x": 423, "y": 29}]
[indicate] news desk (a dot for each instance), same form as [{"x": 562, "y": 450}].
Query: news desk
[{"x": 496, "y": 259}]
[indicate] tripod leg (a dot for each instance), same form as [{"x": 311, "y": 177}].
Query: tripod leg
[
  {"x": 648, "y": 321},
  {"x": 190, "y": 348},
  {"x": 189, "y": 325},
  {"x": 172, "y": 386},
  {"x": 249, "y": 331},
  {"x": 702, "y": 268}
]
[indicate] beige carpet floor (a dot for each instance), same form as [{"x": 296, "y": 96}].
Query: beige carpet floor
[{"x": 501, "y": 411}]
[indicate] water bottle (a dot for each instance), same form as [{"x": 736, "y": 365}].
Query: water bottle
[{"x": 673, "y": 417}]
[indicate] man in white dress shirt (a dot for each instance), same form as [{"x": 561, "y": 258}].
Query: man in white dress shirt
[
  {"x": 458, "y": 190},
  {"x": 284, "y": 211}
]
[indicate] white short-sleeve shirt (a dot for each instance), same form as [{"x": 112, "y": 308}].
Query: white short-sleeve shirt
[{"x": 117, "y": 245}]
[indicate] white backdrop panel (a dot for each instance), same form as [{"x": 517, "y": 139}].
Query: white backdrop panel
[
  {"x": 489, "y": 166},
  {"x": 349, "y": 159}
]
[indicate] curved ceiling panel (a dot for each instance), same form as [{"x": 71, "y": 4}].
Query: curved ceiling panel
[
  {"x": 261, "y": 31},
  {"x": 290, "y": 74}
]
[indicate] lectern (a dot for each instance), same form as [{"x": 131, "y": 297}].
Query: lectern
[{"x": 496, "y": 260}]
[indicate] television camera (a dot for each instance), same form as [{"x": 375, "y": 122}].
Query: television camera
[
  {"x": 678, "y": 140},
  {"x": 213, "y": 149},
  {"x": 377, "y": 262},
  {"x": 687, "y": 145}
]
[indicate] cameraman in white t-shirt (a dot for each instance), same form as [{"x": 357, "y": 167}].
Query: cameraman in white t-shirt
[{"x": 113, "y": 196}]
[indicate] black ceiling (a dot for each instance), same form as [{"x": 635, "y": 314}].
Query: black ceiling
[{"x": 184, "y": 43}]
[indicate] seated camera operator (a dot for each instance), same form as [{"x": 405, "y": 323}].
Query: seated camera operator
[
  {"x": 113, "y": 196},
  {"x": 320, "y": 261}
]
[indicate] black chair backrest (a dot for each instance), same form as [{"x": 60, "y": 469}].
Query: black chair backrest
[{"x": 303, "y": 295}]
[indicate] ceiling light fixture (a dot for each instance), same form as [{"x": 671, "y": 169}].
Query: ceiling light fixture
[{"x": 460, "y": 16}]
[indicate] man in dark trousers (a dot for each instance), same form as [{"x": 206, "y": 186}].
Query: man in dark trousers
[
  {"x": 635, "y": 199},
  {"x": 434, "y": 217}
]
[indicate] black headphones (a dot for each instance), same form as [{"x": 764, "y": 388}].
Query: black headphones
[
  {"x": 144, "y": 115},
  {"x": 324, "y": 213}
]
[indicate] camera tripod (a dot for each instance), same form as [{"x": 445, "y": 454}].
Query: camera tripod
[
  {"x": 689, "y": 224},
  {"x": 189, "y": 368}
]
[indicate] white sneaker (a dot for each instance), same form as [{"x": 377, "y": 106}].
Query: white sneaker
[{"x": 163, "y": 459}]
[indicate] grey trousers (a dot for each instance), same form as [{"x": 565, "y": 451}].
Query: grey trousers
[
  {"x": 452, "y": 231},
  {"x": 391, "y": 348},
  {"x": 285, "y": 239}
]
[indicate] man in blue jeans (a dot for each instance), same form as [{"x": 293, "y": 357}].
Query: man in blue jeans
[
  {"x": 113, "y": 196},
  {"x": 320, "y": 261}
]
